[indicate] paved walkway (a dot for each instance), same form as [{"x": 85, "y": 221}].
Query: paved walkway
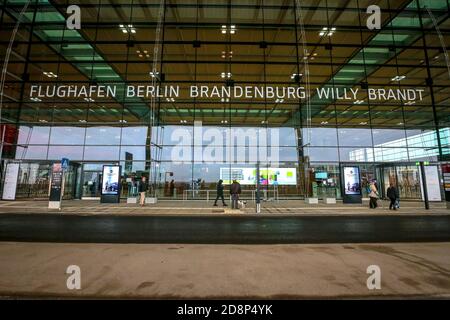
[
  {"x": 289, "y": 207},
  {"x": 224, "y": 271}
]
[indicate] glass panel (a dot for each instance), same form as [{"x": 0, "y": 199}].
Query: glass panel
[
  {"x": 67, "y": 135},
  {"x": 103, "y": 136}
]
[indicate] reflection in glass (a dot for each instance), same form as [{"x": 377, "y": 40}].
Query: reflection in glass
[{"x": 103, "y": 136}]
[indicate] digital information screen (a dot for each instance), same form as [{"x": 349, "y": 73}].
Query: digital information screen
[
  {"x": 352, "y": 184},
  {"x": 111, "y": 176},
  {"x": 268, "y": 176}
]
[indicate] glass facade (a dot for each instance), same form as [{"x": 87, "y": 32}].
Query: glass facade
[{"x": 377, "y": 98}]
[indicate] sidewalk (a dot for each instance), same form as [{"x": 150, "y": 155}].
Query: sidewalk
[
  {"x": 224, "y": 271},
  {"x": 196, "y": 207}
]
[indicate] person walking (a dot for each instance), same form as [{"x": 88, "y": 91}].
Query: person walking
[
  {"x": 373, "y": 195},
  {"x": 220, "y": 193},
  {"x": 172, "y": 188},
  {"x": 143, "y": 187},
  {"x": 392, "y": 194},
  {"x": 235, "y": 192}
]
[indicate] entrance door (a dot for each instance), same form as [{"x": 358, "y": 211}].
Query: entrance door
[
  {"x": 405, "y": 177},
  {"x": 33, "y": 181},
  {"x": 70, "y": 181},
  {"x": 91, "y": 184},
  {"x": 409, "y": 182}
]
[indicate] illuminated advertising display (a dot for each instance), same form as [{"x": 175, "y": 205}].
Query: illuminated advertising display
[
  {"x": 111, "y": 177},
  {"x": 352, "y": 184}
]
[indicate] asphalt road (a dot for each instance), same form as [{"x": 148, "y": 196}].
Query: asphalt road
[{"x": 226, "y": 230}]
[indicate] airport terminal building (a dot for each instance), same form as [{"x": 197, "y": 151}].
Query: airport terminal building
[{"x": 318, "y": 96}]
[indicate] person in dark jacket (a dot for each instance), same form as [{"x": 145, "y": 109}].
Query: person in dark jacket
[
  {"x": 392, "y": 194},
  {"x": 172, "y": 188},
  {"x": 143, "y": 187},
  {"x": 235, "y": 192},
  {"x": 220, "y": 193}
]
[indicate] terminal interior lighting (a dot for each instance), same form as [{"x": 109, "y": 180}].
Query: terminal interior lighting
[
  {"x": 327, "y": 31},
  {"x": 129, "y": 28},
  {"x": 141, "y": 54},
  {"x": 154, "y": 74},
  {"x": 231, "y": 29},
  {"x": 227, "y": 54},
  {"x": 50, "y": 74},
  {"x": 224, "y": 75},
  {"x": 398, "y": 78}
]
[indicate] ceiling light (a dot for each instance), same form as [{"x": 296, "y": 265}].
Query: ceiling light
[
  {"x": 224, "y": 121},
  {"x": 225, "y": 29},
  {"x": 83, "y": 121},
  {"x": 35, "y": 99},
  {"x": 225, "y": 100},
  {"x": 127, "y": 29},
  {"x": 123, "y": 121},
  {"x": 324, "y": 122},
  {"x": 358, "y": 102},
  {"x": 224, "y": 75},
  {"x": 327, "y": 31},
  {"x": 183, "y": 121},
  {"x": 398, "y": 78},
  {"x": 363, "y": 123},
  {"x": 226, "y": 54},
  {"x": 279, "y": 100},
  {"x": 154, "y": 74},
  {"x": 410, "y": 103},
  {"x": 143, "y": 53},
  {"x": 309, "y": 56},
  {"x": 400, "y": 123},
  {"x": 50, "y": 74},
  {"x": 170, "y": 99},
  {"x": 89, "y": 100},
  {"x": 264, "y": 122}
]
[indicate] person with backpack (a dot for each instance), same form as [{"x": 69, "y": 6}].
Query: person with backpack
[
  {"x": 235, "y": 192},
  {"x": 220, "y": 193},
  {"x": 373, "y": 195},
  {"x": 392, "y": 194}
]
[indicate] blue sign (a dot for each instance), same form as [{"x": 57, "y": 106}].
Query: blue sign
[{"x": 65, "y": 163}]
